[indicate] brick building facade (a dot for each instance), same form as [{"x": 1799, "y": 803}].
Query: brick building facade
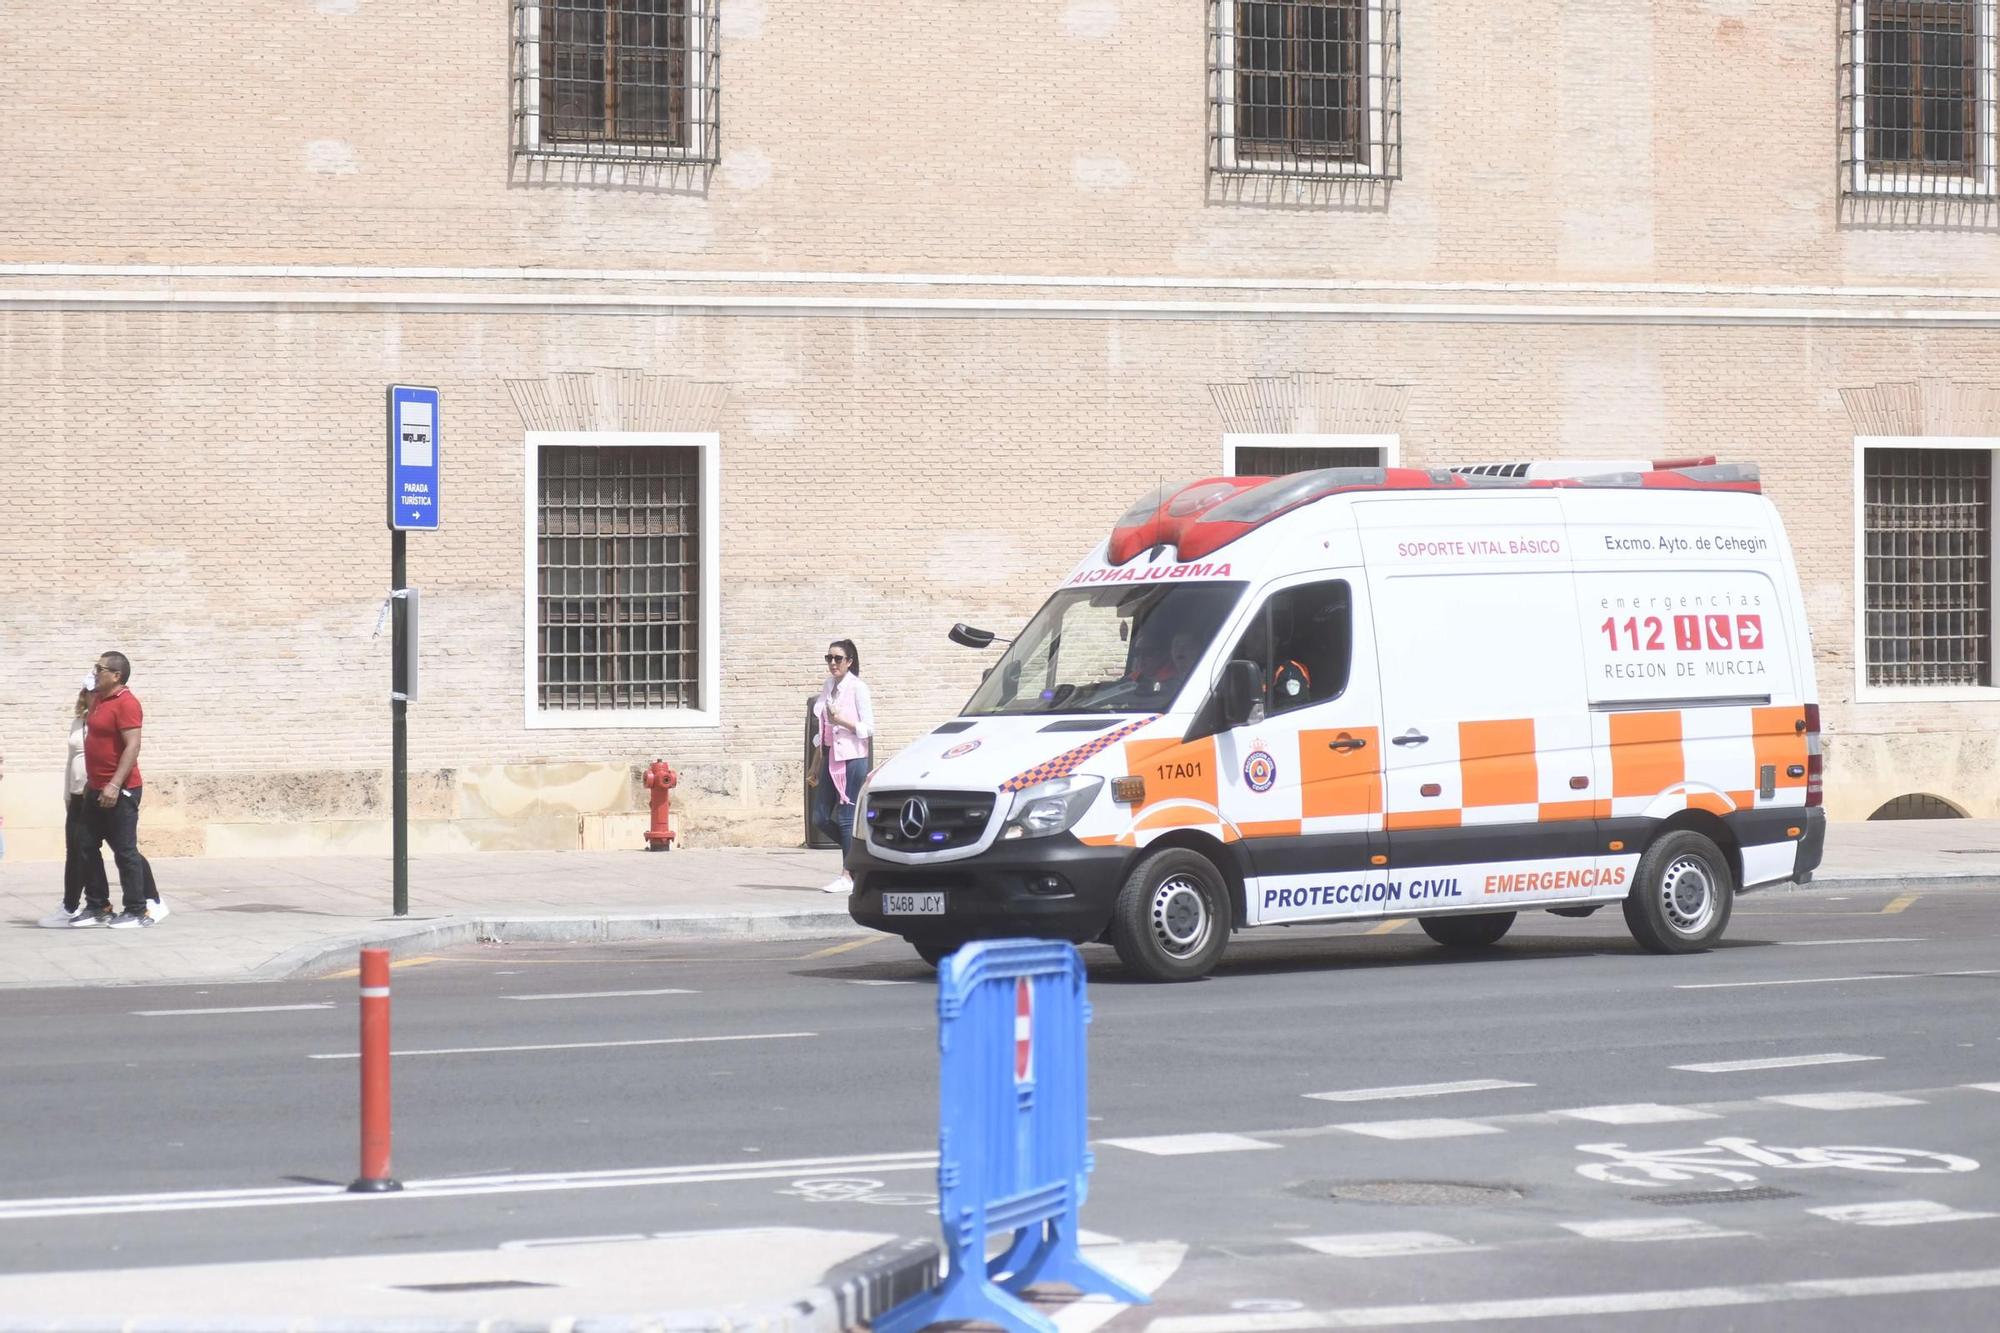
[{"x": 898, "y": 306}]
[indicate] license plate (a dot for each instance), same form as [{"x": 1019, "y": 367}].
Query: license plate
[{"x": 913, "y": 904}]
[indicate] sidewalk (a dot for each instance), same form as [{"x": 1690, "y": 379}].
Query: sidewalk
[
  {"x": 690, "y": 1282},
  {"x": 268, "y": 920}
]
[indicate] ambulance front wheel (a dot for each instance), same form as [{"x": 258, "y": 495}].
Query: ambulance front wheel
[
  {"x": 1681, "y": 896},
  {"x": 1467, "y": 932},
  {"x": 1171, "y": 920},
  {"x": 934, "y": 954}
]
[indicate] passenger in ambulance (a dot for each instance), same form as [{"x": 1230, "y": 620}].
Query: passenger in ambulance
[{"x": 1151, "y": 658}]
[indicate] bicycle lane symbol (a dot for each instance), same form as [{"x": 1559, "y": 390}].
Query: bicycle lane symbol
[
  {"x": 1727, "y": 1159},
  {"x": 856, "y": 1189}
]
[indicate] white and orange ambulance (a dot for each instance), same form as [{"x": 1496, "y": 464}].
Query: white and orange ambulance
[{"x": 1366, "y": 693}]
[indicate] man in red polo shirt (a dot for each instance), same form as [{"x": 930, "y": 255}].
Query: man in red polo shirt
[{"x": 111, "y": 773}]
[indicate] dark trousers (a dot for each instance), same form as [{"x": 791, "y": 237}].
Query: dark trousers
[
  {"x": 831, "y": 815},
  {"x": 119, "y": 826},
  {"x": 83, "y": 863}
]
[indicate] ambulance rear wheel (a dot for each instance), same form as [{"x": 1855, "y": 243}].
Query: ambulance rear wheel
[
  {"x": 1171, "y": 920},
  {"x": 1467, "y": 932},
  {"x": 1681, "y": 895}
]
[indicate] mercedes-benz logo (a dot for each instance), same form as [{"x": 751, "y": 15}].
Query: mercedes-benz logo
[{"x": 915, "y": 813}]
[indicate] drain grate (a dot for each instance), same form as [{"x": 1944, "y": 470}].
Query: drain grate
[
  {"x": 495, "y": 1284},
  {"x": 1434, "y": 1192},
  {"x": 1755, "y": 1194}
]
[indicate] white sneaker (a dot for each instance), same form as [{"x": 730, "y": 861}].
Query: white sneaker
[
  {"x": 158, "y": 910},
  {"x": 844, "y": 884},
  {"x": 61, "y": 920}
]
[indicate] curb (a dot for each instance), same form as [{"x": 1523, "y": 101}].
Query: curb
[
  {"x": 846, "y": 1297},
  {"x": 1871, "y": 883},
  {"x": 319, "y": 957}
]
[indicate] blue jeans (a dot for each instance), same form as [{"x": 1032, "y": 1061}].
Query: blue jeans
[
  {"x": 119, "y": 826},
  {"x": 831, "y": 815}
]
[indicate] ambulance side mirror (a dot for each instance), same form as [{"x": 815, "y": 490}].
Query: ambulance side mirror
[
  {"x": 1241, "y": 690},
  {"x": 968, "y": 637}
]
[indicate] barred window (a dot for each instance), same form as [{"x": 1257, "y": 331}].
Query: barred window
[
  {"x": 1262, "y": 460},
  {"x": 1918, "y": 96},
  {"x": 618, "y": 578},
  {"x": 1927, "y": 543},
  {"x": 1305, "y": 87},
  {"x": 616, "y": 78}
]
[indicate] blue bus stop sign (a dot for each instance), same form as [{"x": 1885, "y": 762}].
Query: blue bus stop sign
[{"x": 413, "y": 458}]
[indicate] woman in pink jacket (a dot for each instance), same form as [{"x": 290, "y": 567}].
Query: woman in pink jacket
[{"x": 846, "y": 716}]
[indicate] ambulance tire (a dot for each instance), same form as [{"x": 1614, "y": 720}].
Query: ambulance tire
[
  {"x": 1171, "y": 919},
  {"x": 1467, "y": 932},
  {"x": 1681, "y": 895}
]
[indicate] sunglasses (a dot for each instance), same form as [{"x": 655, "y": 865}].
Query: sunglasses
[{"x": 835, "y": 657}]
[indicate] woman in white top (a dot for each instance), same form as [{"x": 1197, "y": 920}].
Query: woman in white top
[
  {"x": 846, "y": 715},
  {"x": 86, "y": 891}
]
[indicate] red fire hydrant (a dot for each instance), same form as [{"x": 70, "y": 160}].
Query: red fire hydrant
[{"x": 660, "y": 780}]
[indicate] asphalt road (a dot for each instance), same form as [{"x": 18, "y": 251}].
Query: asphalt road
[{"x": 1340, "y": 1124}]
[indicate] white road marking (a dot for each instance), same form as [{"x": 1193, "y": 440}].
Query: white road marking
[
  {"x": 1901, "y": 1213},
  {"x": 1146, "y": 1265},
  {"x": 1880, "y": 939},
  {"x": 1825, "y": 981},
  {"x": 602, "y": 994},
  {"x": 1840, "y": 1101},
  {"x": 1417, "y": 1090},
  {"x": 853, "y": 982},
  {"x": 1636, "y": 1113},
  {"x": 1419, "y": 1129},
  {"x": 574, "y": 1045},
  {"x": 15, "y": 1210},
  {"x": 1649, "y": 1229},
  {"x": 1559, "y": 1307},
  {"x": 1183, "y": 1145},
  {"x": 1383, "y": 1244},
  {"x": 1985, "y": 1087},
  {"x": 1774, "y": 1062},
  {"x": 236, "y": 1009}
]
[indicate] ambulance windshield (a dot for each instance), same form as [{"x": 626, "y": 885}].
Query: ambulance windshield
[{"x": 1107, "y": 650}]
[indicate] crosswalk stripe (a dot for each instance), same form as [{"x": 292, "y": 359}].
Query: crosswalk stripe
[
  {"x": 1636, "y": 1113},
  {"x": 1630, "y": 1229},
  {"x": 1420, "y": 1129},
  {"x": 1417, "y": 1090},
  {"x": 1186, "y": 1145},
  {"x": 1774, "y": 1062},
  {"x": 1383, "y": 1244},
  {"x": 1840, "y": 1101},
  {"x": 1899, "y": 1213}
]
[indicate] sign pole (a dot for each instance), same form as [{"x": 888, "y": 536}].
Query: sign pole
[
  {"x": 399, "y": 743},
  {"x": 414, "y": 498}
]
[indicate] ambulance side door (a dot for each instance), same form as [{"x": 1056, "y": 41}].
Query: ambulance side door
[{"x": 1302, "y": 780}]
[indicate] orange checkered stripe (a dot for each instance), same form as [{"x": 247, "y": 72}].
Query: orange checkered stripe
[{"x": 1067, "y": 763}]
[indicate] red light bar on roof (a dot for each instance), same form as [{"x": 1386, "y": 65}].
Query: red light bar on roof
[{"x": 1204, "y": 516}]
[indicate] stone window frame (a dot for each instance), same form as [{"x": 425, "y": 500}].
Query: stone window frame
[
  {"x": 1864, "y": 692},
  {"x": 709, "y": 653},
  {"x": 1859, "y": 178},
  {"x": 702, "y": 142}
]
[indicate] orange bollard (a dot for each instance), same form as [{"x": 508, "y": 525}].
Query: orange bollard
[{"x": 375, "y": 1177}]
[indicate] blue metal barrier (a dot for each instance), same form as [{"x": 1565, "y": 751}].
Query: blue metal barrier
[{"x": 1012, "y": 1085}]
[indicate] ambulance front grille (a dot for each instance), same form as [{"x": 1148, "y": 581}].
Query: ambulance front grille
[{"x": 927, "y": 821}]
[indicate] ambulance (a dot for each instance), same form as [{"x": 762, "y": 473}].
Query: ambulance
[{"x": 1359, "y": 694}]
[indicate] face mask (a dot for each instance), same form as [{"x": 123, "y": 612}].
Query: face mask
[{"x": 90, "y": 680}]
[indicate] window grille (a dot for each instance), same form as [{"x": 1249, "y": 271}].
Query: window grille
[
  {"x": 1918, "y": 96},
  {"x": 1261, "y": 460},
  {"x": 1928, "y": 550},
  {"x": 1307, "y": 88},
  {"x": 618, "y": 581},
  {"x": 616, "y": 79}
]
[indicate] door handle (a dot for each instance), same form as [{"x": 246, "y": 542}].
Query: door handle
[
  {"x": 1347, "y": 743},
  {"x": 1410, "y": 737}
]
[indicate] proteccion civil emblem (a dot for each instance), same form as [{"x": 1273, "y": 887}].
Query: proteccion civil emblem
[
  {"x": 1260, "y": 770},
  {"x": 963, "y": 747}
]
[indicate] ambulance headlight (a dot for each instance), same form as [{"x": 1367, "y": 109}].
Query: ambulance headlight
[{"x": 1050, "y": 807}]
